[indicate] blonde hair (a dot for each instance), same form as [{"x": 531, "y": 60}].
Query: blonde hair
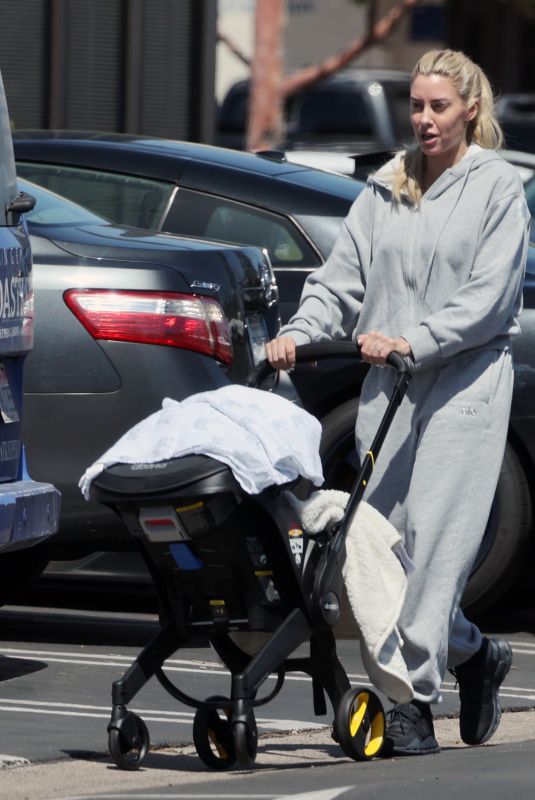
[{"x": 472, "y": 84}]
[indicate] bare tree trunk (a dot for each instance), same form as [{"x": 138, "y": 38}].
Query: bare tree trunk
[{"x": 265, "y": 101}]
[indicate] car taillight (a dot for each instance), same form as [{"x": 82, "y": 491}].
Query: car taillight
[{"x": 166, "y": 318}]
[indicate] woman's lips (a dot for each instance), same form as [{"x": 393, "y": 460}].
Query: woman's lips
[{"x": 428, "y": 138}]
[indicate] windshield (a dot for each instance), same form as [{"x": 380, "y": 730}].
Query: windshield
[{"x": 52, "y": 209}]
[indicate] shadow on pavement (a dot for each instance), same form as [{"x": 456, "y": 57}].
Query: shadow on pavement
[{"x": 16, "y": 667}]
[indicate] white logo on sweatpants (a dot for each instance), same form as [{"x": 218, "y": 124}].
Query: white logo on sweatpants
[{"x": 468, "y": 411}]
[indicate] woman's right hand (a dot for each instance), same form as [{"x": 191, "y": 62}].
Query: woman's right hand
[{"x": 281, "y": 352}]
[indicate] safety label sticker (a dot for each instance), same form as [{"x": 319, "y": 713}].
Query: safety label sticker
[{"x": 8, "y": 409}]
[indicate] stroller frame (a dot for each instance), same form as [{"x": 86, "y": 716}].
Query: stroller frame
[{"x": 312, "y": 595}]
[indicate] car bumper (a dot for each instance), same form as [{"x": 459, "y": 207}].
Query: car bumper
[{"x": 29, "y": 513}]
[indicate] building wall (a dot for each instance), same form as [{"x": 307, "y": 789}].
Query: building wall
[
  {"x": 498, "y": 37},
  {"x": 140, "y": 66}
]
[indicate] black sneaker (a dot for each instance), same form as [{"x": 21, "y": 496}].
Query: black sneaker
[
  {"x": 479, "y": 681},
  {"x": 410, "y": 731}
]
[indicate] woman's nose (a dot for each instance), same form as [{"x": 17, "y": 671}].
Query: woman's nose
[{"x": 426, "y": 114}]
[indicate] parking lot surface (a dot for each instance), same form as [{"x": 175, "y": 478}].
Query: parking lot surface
[{"x": 57, "y": 668}]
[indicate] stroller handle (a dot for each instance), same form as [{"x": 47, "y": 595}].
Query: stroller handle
[{"x": 319, "y": 351}]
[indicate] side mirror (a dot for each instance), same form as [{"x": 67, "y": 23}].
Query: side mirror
[{"x": 20, "y": 205}]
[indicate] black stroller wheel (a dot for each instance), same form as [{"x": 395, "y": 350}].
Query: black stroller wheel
[
  {"x": 129, "y": 746},
  {"x": 246, "y": 740},
  {"x": 212, "y": 735},
  {"x": 359, "y": 724}
]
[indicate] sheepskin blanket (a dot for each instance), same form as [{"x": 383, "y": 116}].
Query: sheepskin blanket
[{"x": 375, "y": 575}]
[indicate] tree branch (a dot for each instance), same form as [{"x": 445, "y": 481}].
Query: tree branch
[
  {"x": 234, "y": 49},
  {"x": 381, "y": 29}
]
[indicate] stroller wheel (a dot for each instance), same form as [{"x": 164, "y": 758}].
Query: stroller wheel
[
  {"x": 359, "y": 724},
  {"x": 129, "y": 745},
  {"x": 212, "y": 735},
  {"x": 246, "y": 740}
]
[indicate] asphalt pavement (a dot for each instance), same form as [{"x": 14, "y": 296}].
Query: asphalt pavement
[{"x": 56, "y": 671}]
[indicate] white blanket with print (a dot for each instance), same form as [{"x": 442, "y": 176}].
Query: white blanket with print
[{"x": 265, "y": 439}]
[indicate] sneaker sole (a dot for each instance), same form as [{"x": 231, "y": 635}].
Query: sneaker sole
[
  {"x": 504, "y": 665},
  {"x": 421, "y": 750}
]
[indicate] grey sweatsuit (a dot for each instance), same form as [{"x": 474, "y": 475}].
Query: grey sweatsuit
[{"x": 447, "y": 276}]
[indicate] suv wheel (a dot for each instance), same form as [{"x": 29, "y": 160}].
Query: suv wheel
[
  {"x": 19, "y": 568},
  {"x": 499, "y": 559},
  {"x": 337, "y": 449}
]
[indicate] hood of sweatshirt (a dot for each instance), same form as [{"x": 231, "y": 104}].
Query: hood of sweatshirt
[
  {"x": 474, "y": 158},
  {"x": 445, "y": 274}
]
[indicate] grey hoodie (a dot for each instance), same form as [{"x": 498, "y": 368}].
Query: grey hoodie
[{"x": 446, "y": 274}]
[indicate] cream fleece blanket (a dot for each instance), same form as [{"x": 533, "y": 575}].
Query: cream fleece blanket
[{"x": 375, "y": 575}]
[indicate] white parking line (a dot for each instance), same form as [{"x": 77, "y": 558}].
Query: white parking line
[
  {"x": 149, "y": 715},
  {"x": 109, "y": 656},
  {"x": 321, "y": 794},
  {"x": 523, "y": 644},
  {"x": 214, "y": 668},
  {"x": 145, "y": 796}
]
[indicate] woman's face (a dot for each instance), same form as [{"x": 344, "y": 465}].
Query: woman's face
[{"x": 440, "y": 117}]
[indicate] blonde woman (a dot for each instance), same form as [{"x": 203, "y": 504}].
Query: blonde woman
[{"x": 430, "y": 263}]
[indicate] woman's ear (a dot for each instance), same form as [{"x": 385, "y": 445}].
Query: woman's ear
[{"x": 472, "y": 110}]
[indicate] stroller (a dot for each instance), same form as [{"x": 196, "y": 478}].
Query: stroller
[{"x": 224, "y": 561}]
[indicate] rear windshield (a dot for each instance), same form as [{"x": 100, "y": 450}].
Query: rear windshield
[
  {"x": 331, "y": 112},
  {"x": 398, "y": 97},
  {"x": 52, "y": 209}
]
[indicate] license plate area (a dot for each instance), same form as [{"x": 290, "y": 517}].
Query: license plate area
[
  {"x": 10, "y": 425},
  {"x": 257, "y": 335}
]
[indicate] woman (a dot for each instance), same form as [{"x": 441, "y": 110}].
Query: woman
[{"x": 430, "y": 263}]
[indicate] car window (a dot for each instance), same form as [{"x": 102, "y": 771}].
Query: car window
[
  {"x": 398, "y": 99},
  {"x": 518, "y": 134},
  {"x": 529, "y": 188},
  {"x": 51, "y": 209},
  {"x": 332, "y": 112},
  {"x": 8, "y": 178},
  {"x": 212, "y": 217},
  {"x": 126, "y": 200},
  {"x": 530, "y": 263}
]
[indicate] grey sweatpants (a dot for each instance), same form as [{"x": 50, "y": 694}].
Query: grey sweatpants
[{"x": 435, "y": 479}]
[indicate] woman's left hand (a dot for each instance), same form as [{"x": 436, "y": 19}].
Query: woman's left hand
[{"x": 375, "y": 347}]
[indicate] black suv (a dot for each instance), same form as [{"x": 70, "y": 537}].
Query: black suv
[
  {"x": 354, "y": 110},
  {"x": 516, "y": 114}
]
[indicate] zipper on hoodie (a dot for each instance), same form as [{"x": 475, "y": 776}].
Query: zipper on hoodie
[{"x": 409, "y": 272}]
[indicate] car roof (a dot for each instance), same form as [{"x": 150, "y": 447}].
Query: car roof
[
  {"x": 78, "y": 142},
  {"x": 362, "y": 75},
  {"x": 248, "y": 177}
]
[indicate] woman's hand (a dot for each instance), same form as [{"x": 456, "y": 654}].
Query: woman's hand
[
  {"x": 375, "y": 347},
  {"x": 281, "y": 352}
]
